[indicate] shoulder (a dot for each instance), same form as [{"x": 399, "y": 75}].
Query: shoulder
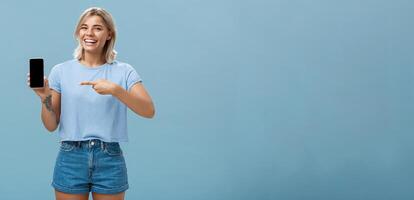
[
  {"x": 118, "y": 65},
  {"x": 59, "y": 66}
]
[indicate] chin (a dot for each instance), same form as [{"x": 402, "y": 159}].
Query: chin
[{"x": 91, "y": 50}]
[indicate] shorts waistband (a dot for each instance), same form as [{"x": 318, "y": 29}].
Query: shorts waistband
[{"x": 89, "y": 143}]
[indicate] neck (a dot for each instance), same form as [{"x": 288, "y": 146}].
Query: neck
[{"x": 92, "y": 60}]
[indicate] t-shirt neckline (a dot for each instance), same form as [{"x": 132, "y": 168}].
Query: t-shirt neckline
[{"x": 90, "y": 68}]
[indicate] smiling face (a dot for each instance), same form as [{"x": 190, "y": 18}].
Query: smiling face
[{"x": 93, "y": 34}]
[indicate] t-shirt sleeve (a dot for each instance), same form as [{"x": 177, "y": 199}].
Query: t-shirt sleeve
[
  {"x": 54, "y": 79},
  {"x": 132, "y": 78}
]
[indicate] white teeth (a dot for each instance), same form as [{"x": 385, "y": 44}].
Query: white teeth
[{"x": 90, "y": 41}]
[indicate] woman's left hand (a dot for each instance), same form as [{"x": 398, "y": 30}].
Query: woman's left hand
[{"x": 102, "y": 86}]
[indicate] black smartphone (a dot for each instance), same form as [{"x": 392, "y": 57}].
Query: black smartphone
[{"x": 36, "y": 73}]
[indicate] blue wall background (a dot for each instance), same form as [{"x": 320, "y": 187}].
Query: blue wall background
[{"x": 266, "y": 100}]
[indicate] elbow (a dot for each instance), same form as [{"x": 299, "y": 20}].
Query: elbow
[
  {"x": 147, "y": 112},
  {"x": 51, "y": 129},
  {"x": 150, "y": 111},
  {"x": 150, "y": 114}
]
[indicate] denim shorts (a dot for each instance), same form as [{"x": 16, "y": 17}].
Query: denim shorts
[{"x": 90, "y": 166}]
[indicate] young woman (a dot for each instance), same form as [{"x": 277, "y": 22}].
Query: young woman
[{"x": 87, "y": 98}]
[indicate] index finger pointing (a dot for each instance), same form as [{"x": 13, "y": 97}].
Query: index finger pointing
[{"x": 87, "y": 83}]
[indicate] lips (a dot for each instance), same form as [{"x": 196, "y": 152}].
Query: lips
[{"x": 89, "y": 41}]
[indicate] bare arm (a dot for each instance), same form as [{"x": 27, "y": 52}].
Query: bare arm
[
  {"x": 50, "y": 99},
  {"x": 137, "y": 99},
  {"x": 51, "y": 110}
]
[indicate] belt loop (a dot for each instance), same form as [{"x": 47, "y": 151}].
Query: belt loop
[{"x": 102, "y": 145}]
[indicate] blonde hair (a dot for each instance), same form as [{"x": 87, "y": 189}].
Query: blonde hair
[{"x": 108, "y": 50}]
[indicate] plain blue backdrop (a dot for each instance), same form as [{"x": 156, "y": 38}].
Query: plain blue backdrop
[{"x": 255, "y": 100}]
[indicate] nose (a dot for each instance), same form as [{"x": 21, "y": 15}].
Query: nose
[{"x": 89, "y": 32}]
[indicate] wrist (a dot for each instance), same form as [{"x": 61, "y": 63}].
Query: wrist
[{"x": 117, "y": 90}]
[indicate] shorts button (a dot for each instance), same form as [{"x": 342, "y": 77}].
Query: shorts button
[{"x": 92, "y": 143}]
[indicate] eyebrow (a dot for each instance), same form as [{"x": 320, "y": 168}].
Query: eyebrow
[{"x": 93, "y": 25}]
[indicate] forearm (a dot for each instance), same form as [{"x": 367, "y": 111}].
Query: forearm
[
  {"x": 139, "y": 104},
  {"x": 49, "y": 118}
]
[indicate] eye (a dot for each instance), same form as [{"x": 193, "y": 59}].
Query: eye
[
  {"x": 99, "y": 29},
  {"x": 83, "y": 28}
]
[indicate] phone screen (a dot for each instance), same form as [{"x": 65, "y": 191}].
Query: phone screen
[{"x": 36, "y": 72}]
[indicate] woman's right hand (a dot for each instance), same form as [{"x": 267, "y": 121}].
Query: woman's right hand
[{"x": 41, "y": 92}]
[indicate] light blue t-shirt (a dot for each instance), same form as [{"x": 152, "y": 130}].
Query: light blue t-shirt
[{"x": 85, "y": 114}]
